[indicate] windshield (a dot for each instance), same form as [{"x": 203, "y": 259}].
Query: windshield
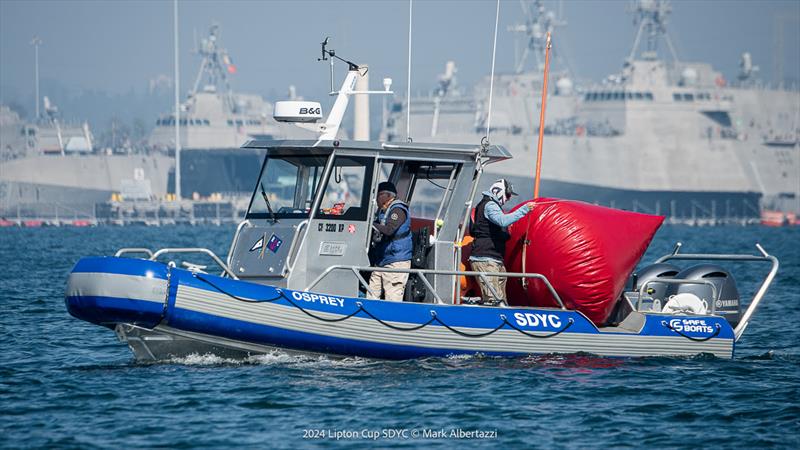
[{"x": 289, "y": 184}]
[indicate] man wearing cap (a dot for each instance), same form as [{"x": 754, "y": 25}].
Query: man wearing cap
[
  {"x": 391, "y": 241},
  {"x": 489, "y": 231}
]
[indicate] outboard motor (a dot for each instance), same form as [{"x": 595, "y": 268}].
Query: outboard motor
[
  {"x": 656, "y": 292},
  {"x": 728, "y": 303}
]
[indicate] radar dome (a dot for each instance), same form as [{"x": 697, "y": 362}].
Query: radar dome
[
  {"x": 689, "y": 77},
  {"x": 564, "y": 86}
]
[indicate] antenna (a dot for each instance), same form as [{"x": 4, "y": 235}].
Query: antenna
[
  {"x": 304, "y": 114},
  {"x": 651, "y": 16},
  {"x": 538, "y": 22},
  {"x": 491, "y": 79},
  {"x": 408, "y": 87}
]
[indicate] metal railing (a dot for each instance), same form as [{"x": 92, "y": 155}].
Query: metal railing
[
  {"x": 751, "y": 308},
  {"x": 126, "y": 250},
  {"x": 422, "y": 272},
  {"x": 294, "y": 247},
  {"x": 153, "y": 256},
  {"x": 235, "y": 240},
  {"x": 714, "y": 293}
]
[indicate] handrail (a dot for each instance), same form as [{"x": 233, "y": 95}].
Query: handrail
[
  {"x": 205, "y": 251},
  {"x": 235, "y": 240},
  {"x": 126, "y": 250},
  {"x": 289, "y": 261},
  {"x": 751, "y": 308},
  {"x": 422, "y": 272},
  {"x": 714, "y": 293}
]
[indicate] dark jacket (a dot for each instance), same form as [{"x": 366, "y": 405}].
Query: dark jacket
[{"x": 490, "y": 238}]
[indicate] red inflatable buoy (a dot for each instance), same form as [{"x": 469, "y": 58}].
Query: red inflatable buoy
[{"x": 587, "y": 252}]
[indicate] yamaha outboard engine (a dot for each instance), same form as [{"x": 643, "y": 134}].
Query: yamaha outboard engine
[
  {"x": 656, "y": 292},
  {"x": 728, "y": 304}
]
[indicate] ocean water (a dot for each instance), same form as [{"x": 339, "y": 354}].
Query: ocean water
[{"x": 65, "y": 383}]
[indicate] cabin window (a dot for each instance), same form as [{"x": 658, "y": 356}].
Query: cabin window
[
  {"x": 423, "y": 185},
  {"x": 677, "y": 97},
  {"x": 688, "y": 97},
  {"x": 289, "y": 183},
  {"x": 346, "y": 193},
  {"x": 639, "y": 96},
  {"x": 432, "y": 188},
  {"x": 648, "y": 96}
]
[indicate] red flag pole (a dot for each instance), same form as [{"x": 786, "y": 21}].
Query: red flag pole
[
  {"x": 525, "y": 241},
  {"x": 541, "y": 119}
]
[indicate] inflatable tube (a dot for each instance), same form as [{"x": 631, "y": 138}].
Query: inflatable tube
[{"x": 586, "y": 251}]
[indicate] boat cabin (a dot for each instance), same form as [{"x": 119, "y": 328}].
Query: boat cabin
[{"x": 313, "y": 205}]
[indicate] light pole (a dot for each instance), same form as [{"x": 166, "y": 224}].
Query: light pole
[
  {"x": 36, "y": 42},
  {"x": 177, "y": 107}
]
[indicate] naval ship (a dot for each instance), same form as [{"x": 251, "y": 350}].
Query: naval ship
[
  {"x": 662, "y": 136},
  {"x": 215, "y": 122},
  {"x": 50, "y": 168}
]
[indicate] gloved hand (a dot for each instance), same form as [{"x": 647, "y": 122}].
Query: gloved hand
[{"x": 377, "y": 236}]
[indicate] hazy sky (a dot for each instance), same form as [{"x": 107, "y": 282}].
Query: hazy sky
[{"x": 117, "y": 46}]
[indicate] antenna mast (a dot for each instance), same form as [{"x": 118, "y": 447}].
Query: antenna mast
[
  {"x": 538, "y": 22},
  {"x": 491, "y": 79},
  {"x": 651, "y": 15},
  {"x": 408, "y": 87}
]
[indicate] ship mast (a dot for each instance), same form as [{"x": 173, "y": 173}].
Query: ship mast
[
  {"x": 539, "y": 22},
  {"x": 215, "y": 67},
  {"x": 651, "y": 16}
]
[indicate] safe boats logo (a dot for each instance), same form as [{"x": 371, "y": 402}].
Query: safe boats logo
[{"x": 691, "y": 326}]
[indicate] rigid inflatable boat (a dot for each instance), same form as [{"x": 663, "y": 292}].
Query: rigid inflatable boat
[{"x": 295, "y": 276}]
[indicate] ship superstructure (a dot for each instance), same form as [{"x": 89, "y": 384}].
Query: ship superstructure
[
  {"x": 661, "y": 136},
  {"x": 214, "y": 123},
  {"x": 50, "y": 168}
]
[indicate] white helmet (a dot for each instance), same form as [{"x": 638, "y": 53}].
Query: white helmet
[{"x": 502, "y": 190}]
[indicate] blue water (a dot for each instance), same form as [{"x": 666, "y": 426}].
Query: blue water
[{"x": 69, "y": 384}]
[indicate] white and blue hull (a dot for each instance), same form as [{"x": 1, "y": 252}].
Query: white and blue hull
[{"x": 166, "y": 312}]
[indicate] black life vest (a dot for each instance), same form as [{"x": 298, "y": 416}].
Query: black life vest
[{"x": 490, "y": 238}]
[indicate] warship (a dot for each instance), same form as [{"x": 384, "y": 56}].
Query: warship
[
  {"x": 215, "y": 122},
  {"x": 50, "y": 168},
  {"x": 662, "y": 136}
]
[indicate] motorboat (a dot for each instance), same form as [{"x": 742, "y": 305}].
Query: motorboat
[{"x": 294, "y": 278}]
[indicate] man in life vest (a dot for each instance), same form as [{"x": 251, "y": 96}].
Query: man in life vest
[
  {"x": 391, "y": 244},
  {"x": 489, "y": 232}
]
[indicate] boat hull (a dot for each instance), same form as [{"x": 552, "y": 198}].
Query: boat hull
[{"x": 201, "y": 313}]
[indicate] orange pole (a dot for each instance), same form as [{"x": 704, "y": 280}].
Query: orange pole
[{"x": 541, "y": 118}]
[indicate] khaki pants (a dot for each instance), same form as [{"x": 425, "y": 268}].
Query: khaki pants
[
  {"x": 497, "y": 283},
  {"x": 391, "y": 284}
]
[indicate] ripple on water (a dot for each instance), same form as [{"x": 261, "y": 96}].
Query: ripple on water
[{"x": 67, "y": 383}]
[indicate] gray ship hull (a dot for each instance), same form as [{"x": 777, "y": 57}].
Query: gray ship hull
[
  {"x": 48, "y": 186},
  {"x": 678, "y": 205}
]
